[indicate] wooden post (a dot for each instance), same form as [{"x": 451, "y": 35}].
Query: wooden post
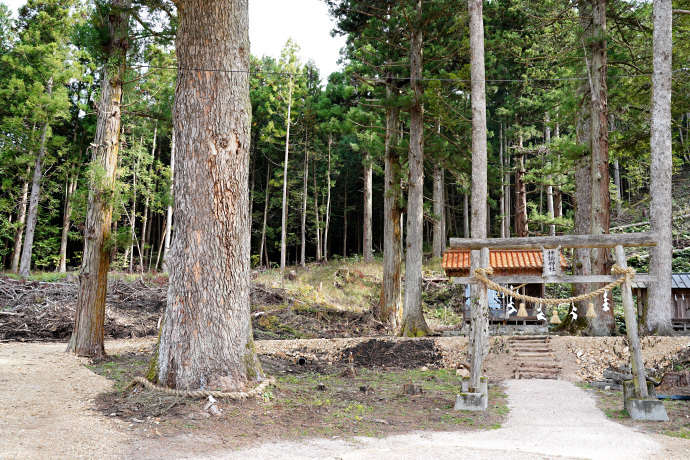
[
  {"x": 479, "y": 327},
  {"x": 636, "y": 361}
]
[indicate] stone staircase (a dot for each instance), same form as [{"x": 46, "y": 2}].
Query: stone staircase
[{"x": 534, "y": 358}]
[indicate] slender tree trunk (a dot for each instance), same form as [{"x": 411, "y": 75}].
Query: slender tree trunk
[
  {"x": 391, "y": 292},
  {"x": 317, "y": 222},
  {"x": 466, "y": 215},
  {"x": 206, "y": 339},
  {"x": 328, "y": 200},
  {"x": 549, "y": 187},
  {"x": 506, "y": 190},
  {"x": 439, "y": 236},
  {"x": 283, "y": 231},
  {"x": 345, "y": 215},
  {"x": 169, "y": 214},
  {"x": 263, "y": 227},
  {"x": 657, "y": 318},
  {"x": 36, "y": 186},
  {"x": 502, "y": 201},
  {"x": 255, "y": 141},
  {"x": 367, "y": 237},
  {"x": 617, "y": 182},
  {"x": 413, "y": 322},
  {"x": 521, "y": 228},
  {"x": 479, "y": 322},
  {"x": 21, "y": 220},
  {"x": 146, "y": 224},
  {"x": 303, "y": 250},
  {"x": 87, "y": 336},
  {"x": 70, "y": 188},
  {"x": 133, "y": 217}
]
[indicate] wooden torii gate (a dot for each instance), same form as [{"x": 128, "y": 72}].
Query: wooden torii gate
[{"x": 479, "y": 316}]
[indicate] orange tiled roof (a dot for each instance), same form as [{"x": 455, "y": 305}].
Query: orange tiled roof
[{"x": 459, "y": 259}]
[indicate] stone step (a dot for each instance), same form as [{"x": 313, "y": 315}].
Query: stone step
[
  {"x": 537, "y": 370},
  {"x": 541, "y": 365},
  {"x": 532, "y": 350},
  {"x": 533, "y": 355},
  {"x": 530, "y": 337},
  {"x": 532, "y": 375}
]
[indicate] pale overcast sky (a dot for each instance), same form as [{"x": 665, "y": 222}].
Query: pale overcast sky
[{"x": 272, "y": 22}]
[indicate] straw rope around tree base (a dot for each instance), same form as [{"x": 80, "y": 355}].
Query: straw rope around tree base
[
  {"x": 239, "y": 395},
  {"x": 482, "y": 273}
]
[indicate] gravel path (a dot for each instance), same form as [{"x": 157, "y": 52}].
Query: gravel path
[
  {"x": 46, "y": 397},
  {"x": 548, "y": 419}
]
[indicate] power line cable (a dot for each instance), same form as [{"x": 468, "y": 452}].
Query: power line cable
[{"x": 380, "y": 79}]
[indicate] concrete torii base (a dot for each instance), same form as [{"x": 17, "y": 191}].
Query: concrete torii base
[
  {"x": 473, "y": 401},
  {"x": 646, "y": 409}
]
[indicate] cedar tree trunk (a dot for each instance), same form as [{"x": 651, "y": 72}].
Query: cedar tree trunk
[
  {"x": 206, "y": 339},
  {"x": 87, "y": 336}
]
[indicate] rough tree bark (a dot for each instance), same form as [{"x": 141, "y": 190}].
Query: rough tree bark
[
  {"x": 36, "y": 186},
  {"x": 391, "y": 293},
  {"x": 657, "y": 318},
  {"x": 413, "y": 322},
  {"x": 206, "y": 339},
  {"x": 479, "y": 322},
  {"x": 604, "y": 323},
  {"x": 87, "y": 336}
]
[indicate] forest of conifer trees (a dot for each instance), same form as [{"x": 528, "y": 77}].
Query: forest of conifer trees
[{"x": 568, "y": 94}]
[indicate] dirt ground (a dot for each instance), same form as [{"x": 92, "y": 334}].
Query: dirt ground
[{"x": 339, "y": 377}]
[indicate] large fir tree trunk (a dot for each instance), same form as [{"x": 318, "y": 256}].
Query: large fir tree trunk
[
  {"x": 21, "y": 220},
  {"x": 389, "y": 302},
  {"x": 604, "y": 323},
  {"x": 36, "y": 185},
  {"x": 582, "y": 197},
  {"x": 87, "y": 336},
  {"x": 206, "y": 339},
  {"x": 413, "y": 322},
  {"x": 367, "y": 237},
  {"x": 657, "y": 318},
  {"x": 283, "y": 228},
  {"x": 479, "y": 322}
]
